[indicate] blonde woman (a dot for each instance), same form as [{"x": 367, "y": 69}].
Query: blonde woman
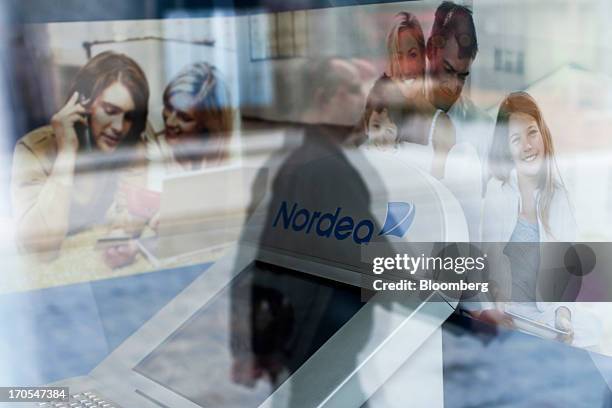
[
  {"x": 406, "y": 52},
  {"x": 198, "y": 121}
]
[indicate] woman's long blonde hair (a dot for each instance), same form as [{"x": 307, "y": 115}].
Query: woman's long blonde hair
[
  {"x": 403, "y": 21},
  {"x": 214, "y": 113},
  {"x": 500, "y": 159}
]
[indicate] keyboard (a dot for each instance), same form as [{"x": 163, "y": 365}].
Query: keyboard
[{"x": 88, "y": 399}]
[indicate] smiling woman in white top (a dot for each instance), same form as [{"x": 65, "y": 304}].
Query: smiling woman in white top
[
  {"x": 526, "y": 184},
  {"x": 526, "y": 203}
]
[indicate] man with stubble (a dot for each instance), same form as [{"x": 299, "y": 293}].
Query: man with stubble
[{"x": 451, "y": 50}]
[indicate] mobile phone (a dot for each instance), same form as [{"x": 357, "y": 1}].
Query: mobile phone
[
  {"x": 108, "y": 242},
  {"x": 82, "y": 130}
]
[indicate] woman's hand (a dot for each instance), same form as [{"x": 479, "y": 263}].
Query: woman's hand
[
  {"x": 563, "y": 321},
  {"x": 154, "y": 222},
  {"x": 494, "y": 317},
  {"x": 63, "y": 123},
  {"x": 120, "y": 255}
]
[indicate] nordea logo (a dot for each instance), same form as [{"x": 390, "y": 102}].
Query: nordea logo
[{"x": 398, "y": 220}]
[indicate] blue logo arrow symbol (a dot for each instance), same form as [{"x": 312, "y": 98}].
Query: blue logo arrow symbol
[{"x": 399, "y": 219}]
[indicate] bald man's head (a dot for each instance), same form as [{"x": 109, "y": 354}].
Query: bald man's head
[{"x": 336, "y": 96}]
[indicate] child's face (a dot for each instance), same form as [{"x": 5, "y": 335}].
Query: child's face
[
  {"x": 381, "y": 130},
  {"x": 410, "y": 57}
]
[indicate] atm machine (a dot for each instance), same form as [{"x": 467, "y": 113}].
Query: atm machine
[{"x": 382, "y": 348}]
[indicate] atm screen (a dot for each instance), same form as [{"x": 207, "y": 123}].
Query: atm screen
[{"x": 238, "y": 348}]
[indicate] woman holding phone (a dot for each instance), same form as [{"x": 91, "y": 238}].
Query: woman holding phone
[{"x": 65, "y": 175}]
